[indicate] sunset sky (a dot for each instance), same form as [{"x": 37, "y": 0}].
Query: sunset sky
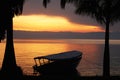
[
  {"x": 34, "y": 19},
  {"x": 54, "y": 19},
  {"x": 51, "y": 23}
]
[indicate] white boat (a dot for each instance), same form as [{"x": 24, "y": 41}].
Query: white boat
[{"x": 64, "y": 62}]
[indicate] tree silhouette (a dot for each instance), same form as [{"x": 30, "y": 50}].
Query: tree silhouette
[
  {"x": 9, "y": 9},
  {"x": 105, "y": 12}
]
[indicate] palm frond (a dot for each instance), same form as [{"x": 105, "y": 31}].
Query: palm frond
[
  {"x": 99, "y": 9},
  {"x": 62, "y": 3},
  {"x": 45, "y": 2},
  {"x": 17, "y": 6},
  {"x": 9, "y": 8}
]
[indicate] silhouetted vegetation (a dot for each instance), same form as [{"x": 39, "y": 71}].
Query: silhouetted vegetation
[
  {"x": 105, "y": 12},
  {"x": 9, "y": 9}
]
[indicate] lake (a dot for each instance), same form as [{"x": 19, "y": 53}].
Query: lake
[{"x": 90, "y": 65}]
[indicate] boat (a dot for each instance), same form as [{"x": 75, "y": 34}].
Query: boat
[{"x": 64, "y": 62}]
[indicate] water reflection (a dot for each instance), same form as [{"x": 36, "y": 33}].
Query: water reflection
[
  {"x": 91, "y": 63},
  {"x": 25, "y": 52},
  {"x": 2, "y": 49}
]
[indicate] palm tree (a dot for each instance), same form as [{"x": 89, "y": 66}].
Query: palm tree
[
  {"x": 9, "y": 9},
  {"x": 105, "y": 12}
]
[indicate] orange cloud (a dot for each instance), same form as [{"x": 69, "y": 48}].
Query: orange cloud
[{"x": 51, "y": 23}]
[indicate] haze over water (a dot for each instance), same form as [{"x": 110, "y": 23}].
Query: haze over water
[{"x": 90, "y": 65}]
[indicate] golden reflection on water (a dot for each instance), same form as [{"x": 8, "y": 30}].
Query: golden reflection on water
[
  {"x": 2, "y": 49},
  {"x": 91, "y": 63},
  {"x": 25, "y": 52}
]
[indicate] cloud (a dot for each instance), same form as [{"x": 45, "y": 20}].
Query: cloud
[{"x": 36, "y": 7}]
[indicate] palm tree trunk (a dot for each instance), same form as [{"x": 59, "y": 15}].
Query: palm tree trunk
[
  {"x": 106, "y": 58},
  {"x": 9, "y": 61}
]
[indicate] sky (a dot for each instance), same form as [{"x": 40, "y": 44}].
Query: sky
[{"x": 36, "y": 18}]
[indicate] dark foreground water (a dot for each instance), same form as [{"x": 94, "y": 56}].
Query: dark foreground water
[{"x": 90, "y": 65}]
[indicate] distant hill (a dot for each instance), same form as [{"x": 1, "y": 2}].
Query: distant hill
[{"x": 62, "y": 35}]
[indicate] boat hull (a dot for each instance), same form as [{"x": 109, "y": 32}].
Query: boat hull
[{"x": 59, "y": 67}]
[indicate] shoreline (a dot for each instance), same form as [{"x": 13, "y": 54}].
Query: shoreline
[
  {"x": 63, "y": 77},
  {"x": 58, "y": 77}
]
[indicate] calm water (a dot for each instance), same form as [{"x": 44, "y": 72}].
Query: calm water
[{"x": 91, "y": 63}]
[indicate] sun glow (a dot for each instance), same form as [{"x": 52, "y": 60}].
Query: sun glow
[{"x": 51, "y": 23}]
